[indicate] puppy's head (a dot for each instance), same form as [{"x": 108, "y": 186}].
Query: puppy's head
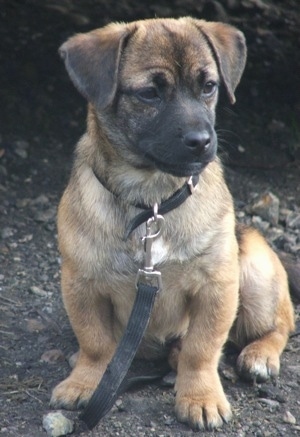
[{"x": 154, "y": 85}]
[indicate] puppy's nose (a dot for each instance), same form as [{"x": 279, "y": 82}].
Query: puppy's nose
[{"x": 199, "y": 140}]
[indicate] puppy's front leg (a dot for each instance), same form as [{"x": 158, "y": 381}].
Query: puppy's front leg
[
  {"x": 200, "y": 399},
  {"x": 91, "y": 317}
]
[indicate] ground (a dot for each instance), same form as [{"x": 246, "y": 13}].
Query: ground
[{"x": 42, "y": 116}]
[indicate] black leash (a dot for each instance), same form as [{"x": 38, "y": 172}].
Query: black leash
[
  {"x": 111, "y": 385},
  {"x": 107, "y": 391}
]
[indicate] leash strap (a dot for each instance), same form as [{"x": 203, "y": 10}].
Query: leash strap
[
  {"x": 166, "y": 206},
  {"x": 109, "y": 388}
]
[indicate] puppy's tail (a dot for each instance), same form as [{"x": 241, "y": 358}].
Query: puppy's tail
[{"x": 292, "y": 268}]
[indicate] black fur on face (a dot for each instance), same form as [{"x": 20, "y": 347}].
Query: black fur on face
[
  {"x": 161, "y": 127},
  {"x": 179, "y": 141}
]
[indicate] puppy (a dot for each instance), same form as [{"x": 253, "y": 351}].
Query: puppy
[{"x": 152, "y": 88}]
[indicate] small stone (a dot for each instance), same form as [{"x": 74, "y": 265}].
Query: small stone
[
  {"x": 73, "y": 359},
  {"x": 56, "y": 424},
  {"x": 21, "y": 144},
  {"x": 169, "y": 421},
  {"x": 270, "y": 403},
  {"x": 45, "y": 216},
  {"x": 34, "y": 325},
  {"x": 40, "y": 200},
  {"x": 38, "y": 291},
  {"x": 26, "y": 238},
  {"x": 271, "y": 393},
  {"x": 52, "y": 356},
  {"x": 267, "y": 207},
  {"x": 169, "y": 380},
  {"x": 22, "y": 153},
  {"x": 7, "y": 232},
  {"x": 3, "y": 172},
  {"x": 21, "y": 149},
  {"x": 262, "y": 225},
  {"x": 292, "y": 384},
  {"x": 289, "y": 418},
  {"x": 230, "y": 374},
  {"x": 22, "y": 203},
  {"x": 79, "y": 19},
  {"x": 293, "y": 220},
  {"x": 295, "y": 369},
  {"x": 119, "y": 406}
]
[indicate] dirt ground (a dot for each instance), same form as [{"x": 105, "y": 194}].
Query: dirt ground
[{"x": 42, "y": 117}]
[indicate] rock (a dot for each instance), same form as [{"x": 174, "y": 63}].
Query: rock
[
  {"x": 250, "y": 4},
  {"x": 289, "y": 418},
  {"x": 34, "y": 325},
  {"x": 262, "y": 225},
  {"x": 21, "y": 149},
  {"x": 285, "y": 241},
  {"x": 21, "y": 144},
  {"x": 161, "y": 10},
  {"x": 21, "y": 153},
  {"x": 38, "y": 291},
  {"x": 295, "y": 369},
  {"x": 268, "y": 392},
  {"x": 40, "y": 200},
  {"x": 45, "y": 216},
  {"x": 270, "y": 403},
  {"x": 3, "y": 171},
  {"x": 169, "y": 380},
  {"x": 52, "y": 356},
  {"x": 267, "y": 207},
  {"x": 73, "y": 359},
  {"x": 7, "y": 232},
  {"x": 293, "y": 220},
  {"x": 22, "y": 203},
  {"x": 56, "y": 424},
  {"x": 79, "y": 19},
  {"x": 168, "y": 420},
  {"x": 230, "y": 374}
]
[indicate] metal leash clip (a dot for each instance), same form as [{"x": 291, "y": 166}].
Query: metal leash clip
[{"x": 154, "y": 227}]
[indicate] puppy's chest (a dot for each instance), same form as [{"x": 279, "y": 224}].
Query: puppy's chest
[{"x": 161, "y": 251}]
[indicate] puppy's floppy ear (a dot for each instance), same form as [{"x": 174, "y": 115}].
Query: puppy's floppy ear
[
  {"x": 229, "y": 48},
  {"x": 92, "y": 61}
]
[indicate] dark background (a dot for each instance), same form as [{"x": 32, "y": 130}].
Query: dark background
[{"x": 40, "y": 105}]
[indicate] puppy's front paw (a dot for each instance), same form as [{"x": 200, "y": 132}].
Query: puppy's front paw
[
  {"x": 75, "y": 391},
  {"x": 71, "y": 394},
  {"x": 258, "y": 362},
  {"x": 208, "y": 410}
]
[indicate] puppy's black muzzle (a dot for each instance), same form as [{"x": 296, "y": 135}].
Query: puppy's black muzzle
[{"x": 182, "y": 140}]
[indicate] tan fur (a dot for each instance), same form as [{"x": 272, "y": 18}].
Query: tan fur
[{"x": 203, "y": 267}]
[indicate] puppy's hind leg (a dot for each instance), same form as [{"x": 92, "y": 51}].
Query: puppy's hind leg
[{"x": 265, "y": 316}]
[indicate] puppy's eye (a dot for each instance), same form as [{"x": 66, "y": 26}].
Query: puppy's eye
[
  {"x": 210, "y": 88},
  {"x": 148, "y": 95}
]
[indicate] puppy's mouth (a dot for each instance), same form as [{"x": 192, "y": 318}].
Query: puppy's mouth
[{"x": 184, "y": 169}]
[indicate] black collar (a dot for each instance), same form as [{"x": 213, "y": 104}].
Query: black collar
[{"x": 166, "y": 206}]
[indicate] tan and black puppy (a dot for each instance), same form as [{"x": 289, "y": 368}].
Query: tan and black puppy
[{"x": 152, "y": 88}]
